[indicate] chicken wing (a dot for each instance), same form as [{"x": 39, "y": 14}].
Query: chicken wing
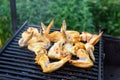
[
  {"x": 90, "y": 49},
  {"x": 47, "y": 67},
  {"x": 55, "y": 36},
  {"x": 37, "y": 46},
  {"x": 46, "y": 30},
  {"x": 26, "y": 36},
  {"x": 90, "y": 45},
  {"x": 32, "y": 29},
  {"x": 38, "y": 38},
  {"x": 74, "y": 36},
  {"x": 56, "y": 51},
  {"x": 91, "y": 38},
  {"x": 95, "y": 38},
  {"x": 74, "y": 48},
  {"x": 84, "y": 61},
  {"x": 85, "y": 36},
  {"x": 67, "y": 43}
]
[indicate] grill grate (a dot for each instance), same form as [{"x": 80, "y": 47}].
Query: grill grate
[{"x": 18, "y": 63}]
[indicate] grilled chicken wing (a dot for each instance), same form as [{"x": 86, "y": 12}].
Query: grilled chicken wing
[
  {"x": 55, "y": 36},
  {"x": 26, "y": 36},
  {"x": 47, "y": 67},
  {"x": 84, "y": 61},
  {"x": 74, "y": 36},
  {"x": 67, "y": 47},
  {"x": 76, "y": 47},
  {"x": 95, "y": 38},
  {"x": 90, "y": 49},
  {"x": 35, "y": 38},
  {"x": 85, "y": 36},
  {"x": 32, "y": 29},
  {"x": 46, "y": 30},
  {"x": 90, "y": 45},
  {"x": 37, "y": 46},
  {"x": 91, "y": 38},
  {"x": 40, "y": 39},
  {"x": 56, "y": 51}
]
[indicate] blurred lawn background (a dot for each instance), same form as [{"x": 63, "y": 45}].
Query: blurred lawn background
[{"x": 80, "y": 15}]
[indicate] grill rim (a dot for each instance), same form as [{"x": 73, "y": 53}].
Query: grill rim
[{"x": 100, "y": 62}]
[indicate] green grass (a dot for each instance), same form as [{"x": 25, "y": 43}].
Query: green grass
[{"x": 80, "y": 15}]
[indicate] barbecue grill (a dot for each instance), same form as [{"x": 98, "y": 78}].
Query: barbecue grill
[{"x": 18, "y": 63}]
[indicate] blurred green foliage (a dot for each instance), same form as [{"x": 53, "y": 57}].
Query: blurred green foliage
[
  {"x": 81, "y": 15},
  {"x": 5, "y": 21},
  {"x": 76, "y": 13},
  {"x": 107, "y": 14}
]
